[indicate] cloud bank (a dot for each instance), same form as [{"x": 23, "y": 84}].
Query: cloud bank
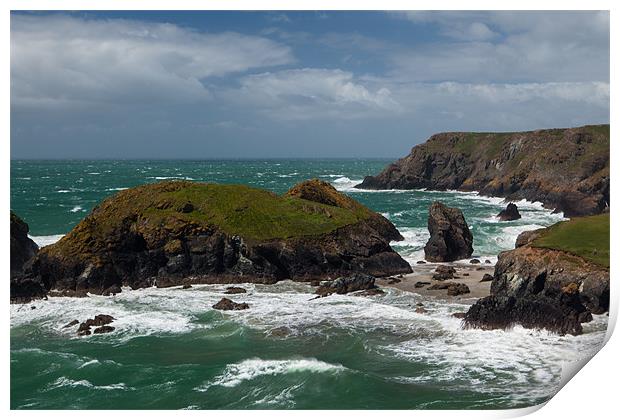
[{"x": 106, "y": 86}]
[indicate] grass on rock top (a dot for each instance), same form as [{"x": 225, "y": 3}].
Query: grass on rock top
[
  {"x": 235, "y": 209},
  {"x": 587, "y": 237}
]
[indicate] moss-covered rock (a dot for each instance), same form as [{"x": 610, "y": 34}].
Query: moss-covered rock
[{"x": 169, "y": 233}]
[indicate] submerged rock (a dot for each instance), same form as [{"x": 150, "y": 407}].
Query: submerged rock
[
  {"x": 234, "y": 290},
  {"x": 344, "y": 285},
  {"x": 226, "y": 304},
  {"x": 280, "y": 332},
  {"x": 103, "y": 330},
  {"x": 100, "y": 320},
  {"x": 420, "y": 284},
  {"x": 164, "y": 233},
  {"x": 71, "y": 324},
  {"x": 371, "y": 292},
  {"x": 450, "y": 238},
  {"x": 511, "y": 212}
]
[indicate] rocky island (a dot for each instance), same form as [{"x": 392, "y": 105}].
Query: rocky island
[
  {"x": 565, "y": 169},
  {"x": 177, "y": 232}
]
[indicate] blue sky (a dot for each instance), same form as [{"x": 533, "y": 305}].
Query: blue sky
[{"x": 295, "y": 84}]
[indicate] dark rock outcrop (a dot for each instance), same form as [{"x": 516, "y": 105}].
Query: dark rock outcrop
[
  {"x": 486, "y": 277},
  {"x": 565, "y": 169},
  {"x": 226, "y": 304},
  {"x": 543, "y": 289},
  {"x": 458, "y": 289},
  {"x": 22, "y": 247},
  {"x": 103, "y": 330},
  {"x": 511, "y": 212},
  {"x": 100, "y": 321},
  {"x": 444, "y": 272},
  {"x": 345, "y": 285},
  {"x": 234, "y": 290},
  {"x": 454, "y": 289},
  {"x": 450, "y": 236},
  {"x": 148, "y": 236}
]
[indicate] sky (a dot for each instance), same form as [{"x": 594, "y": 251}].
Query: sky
[{"x": 326, "y": 84}]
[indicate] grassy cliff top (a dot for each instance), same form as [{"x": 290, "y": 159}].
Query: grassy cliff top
[
  {"x": 489, "y": 144},
  {"x": 587, "y": 237},
  {"x": 178, "y": 207}
]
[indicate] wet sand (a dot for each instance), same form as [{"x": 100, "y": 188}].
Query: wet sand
[{"x": 469, "y": 274}]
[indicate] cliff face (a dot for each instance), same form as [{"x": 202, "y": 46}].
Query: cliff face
[
  {"x": 565, "y": 169},
  {"x": 170, "y": 233}
]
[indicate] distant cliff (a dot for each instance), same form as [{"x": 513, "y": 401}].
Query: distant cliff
[{"x": 565, "y": 169}]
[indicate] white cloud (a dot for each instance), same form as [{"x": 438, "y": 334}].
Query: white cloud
[
  {"x": 59, "y": 60},
  {"x": 591, "y": 93},
  {"x": 314, "y": 93},
  {"x": 509, "y": 47}
]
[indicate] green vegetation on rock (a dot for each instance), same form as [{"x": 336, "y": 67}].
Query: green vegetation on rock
[
  {"x": 234, "y": 209},
  {"x": 587, "y": 237}
]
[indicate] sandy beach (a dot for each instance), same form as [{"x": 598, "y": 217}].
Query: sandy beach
[{"x": 469, "y": 274}]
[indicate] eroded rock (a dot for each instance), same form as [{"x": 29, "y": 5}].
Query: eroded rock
[
  {"x": 226, "y": 304},
  {"x": 511, "y": 212},
  {"x": 348, "y": 284},
  {"x": 451, "y": 238}
]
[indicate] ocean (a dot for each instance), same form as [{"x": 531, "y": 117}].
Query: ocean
[{"x": 170, "y": 350}]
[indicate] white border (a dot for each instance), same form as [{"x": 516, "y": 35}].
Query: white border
[{"x": 591, "y": 394}]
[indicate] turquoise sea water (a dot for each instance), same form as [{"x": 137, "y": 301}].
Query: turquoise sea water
[{"x": 171, "y": 350}]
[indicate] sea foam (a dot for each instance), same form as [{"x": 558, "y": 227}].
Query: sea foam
[{"x": 249, "y": 369}]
